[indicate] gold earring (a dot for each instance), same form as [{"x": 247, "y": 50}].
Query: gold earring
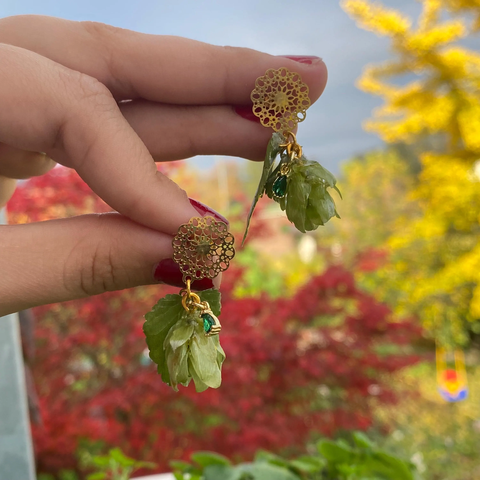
[
  {"x": 280, "y": 100},
  {"x": 182, "y": 330},
  {"x": 202, "y": 248}
]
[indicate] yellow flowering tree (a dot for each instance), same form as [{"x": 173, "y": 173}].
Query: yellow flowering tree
[{"x": 435, "y": 267}]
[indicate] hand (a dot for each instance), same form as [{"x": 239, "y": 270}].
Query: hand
[{"x": 63, "y": 87}]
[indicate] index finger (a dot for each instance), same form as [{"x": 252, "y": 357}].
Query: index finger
[
  {"x": 160, "y": 68},
  {"x": 74, "y": 119}
]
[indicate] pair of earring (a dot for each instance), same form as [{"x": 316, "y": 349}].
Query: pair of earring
[{"x": 182, "y": 330}]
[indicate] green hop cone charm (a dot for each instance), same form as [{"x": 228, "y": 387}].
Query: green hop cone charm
[
  {"x": 180, "y": 345},
  {"x": 300, "y": 186}
]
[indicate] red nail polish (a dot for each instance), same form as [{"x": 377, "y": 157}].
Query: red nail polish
[
  {"x": 205, "y": 210},
  {"x": 306, "y": 59},
  {"x": 245, "y": 111},
  {"x": 167, "y": 271}
]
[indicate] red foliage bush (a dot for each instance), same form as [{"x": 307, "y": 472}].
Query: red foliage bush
[{"x": 295, "y": 367}]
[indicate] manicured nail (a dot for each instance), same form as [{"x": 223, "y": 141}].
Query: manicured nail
[
  {"x": 205, "y": 210},
  {"x": 167, "y": 271},
  {"x": 306, "y": 59},
  {"x": 245, "y": 111}
]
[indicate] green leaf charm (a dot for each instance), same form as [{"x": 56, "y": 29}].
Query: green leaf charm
[
  {"x": 273, "y": 149},
  {"x": 178, "y": 344}
]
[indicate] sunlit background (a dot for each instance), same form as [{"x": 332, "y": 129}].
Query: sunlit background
[{"x": 370, "y": 323}]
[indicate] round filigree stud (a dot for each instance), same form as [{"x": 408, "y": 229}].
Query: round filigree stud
[
  {"x": 203, "y": 248},
  {"x": 280, "y": 99}
]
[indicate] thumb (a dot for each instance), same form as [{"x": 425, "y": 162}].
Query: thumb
[{"x": 78, "y": 257}]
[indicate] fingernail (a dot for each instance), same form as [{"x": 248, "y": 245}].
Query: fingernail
[
  {"x": 203, "y": 210},
  {"x": 306, "y": 59},
  {"x": 167, "y": 271},
  {"x": 245, "y": 111}
]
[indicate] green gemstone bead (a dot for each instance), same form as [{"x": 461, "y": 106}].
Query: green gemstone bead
[
  {"x": 279, "y": 187},
  {"x": 208, "y": 322}
]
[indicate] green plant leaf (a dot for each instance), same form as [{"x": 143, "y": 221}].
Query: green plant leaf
[
  {"x": 158, "y": 323},
  {"x": 362, "y": 441},
  {"x": 117, "y": 455},
  {"x": 209, "y": 458},
  {"x": 101, "y": 460},
  {"x": 68, "y": 475},
  {"x": 334, "y": 452},
  {"x": 263, "y": 456},
  {"x": 267, "y": 471},
  {"x": 180, "y": 465},
  {"x": 221, "y": 472},
  {"x": 150, "y": 465},
  {"x": 388, "y": 465},
  {"x": 97, "y": 476},
  {"x": 273, "y": 148},
  {"x": 308, "y": 464}
]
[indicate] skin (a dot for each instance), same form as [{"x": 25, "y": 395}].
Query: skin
[{"x": 62, "y": 89}]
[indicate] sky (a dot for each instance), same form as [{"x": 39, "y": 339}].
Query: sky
[{"x": 332, "y": 131}]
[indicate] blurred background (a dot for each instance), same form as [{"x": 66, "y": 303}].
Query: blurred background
[{"x": 371, "y": 323}]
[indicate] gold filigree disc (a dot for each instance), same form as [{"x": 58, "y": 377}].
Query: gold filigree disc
[
  {"x": 280, "y": 99},
  {"x": 203, "y": 248}
]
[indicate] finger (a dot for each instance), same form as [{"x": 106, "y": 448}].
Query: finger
[
  {"x": 7, "y": 187},
  {"x": 155, "y": 67},
  {"x": 76, "y": 121},
  {"x": 173, "y": 132},
  {"x": 16, "y": 163},
  {"x": 170, "y": 133},
  {"x": 77, "y": 257}
]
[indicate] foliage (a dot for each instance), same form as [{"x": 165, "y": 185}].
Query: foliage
[
  {"x": 297, "y": 367},
  {"x": 335, "y": 460},
  {"x": 378, "y": 185},
  {"x": 443, "y": 450},
  {"x": 115, "y": 465},
  {"x": 275, "y": 275},
  {"x": 435, "y": 268}
]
